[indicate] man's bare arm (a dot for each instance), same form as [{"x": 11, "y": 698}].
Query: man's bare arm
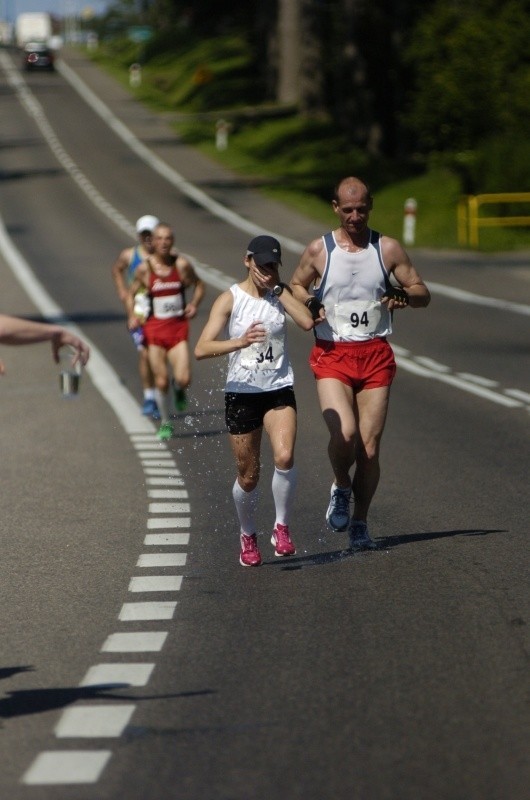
[
  {"x": 308, "y": 271},
  {"x": 398, "y": 262}
]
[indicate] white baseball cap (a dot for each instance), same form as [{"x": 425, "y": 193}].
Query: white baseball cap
[{"x": 147, "y": 223}]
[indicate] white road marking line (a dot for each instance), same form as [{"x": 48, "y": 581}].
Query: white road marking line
[
  {"x": 167, "y": 172},
  {"x": 94, "y": 721},
  {"x": 518, "y": 394},
  {"x": 158, "y": 463},
  {"x": 170, "y": 522},
  {"x": 173, "y": 476},
  {"x": 161, "y": 494},
  {"x": 134, "y": 612},
  {"x": 148, "y": 560},
  {"x": 400, "y": 351},
  {"x": 118, "y": 675},
  {"x": 66, "y": 767},
  {"x": 478, "y": 379},
  {"x": 430, "y": 363},
  {"x": 452, "y": 380},
  {"x": 147, "y": 454},
  {"x": 169, "y": 508},
  {"x": 167, "y": 539},
  {"x": 478, "y": 299},
  {"x": 162, "y": 481},
  {"x": 156, "y": 583},
  {"x": 136, "y": 642}
]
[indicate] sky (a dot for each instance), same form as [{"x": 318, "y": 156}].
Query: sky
[{"x": 9, "y": 9}]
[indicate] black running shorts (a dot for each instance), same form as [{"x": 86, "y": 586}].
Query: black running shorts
[{"x": 244, "y": 411}]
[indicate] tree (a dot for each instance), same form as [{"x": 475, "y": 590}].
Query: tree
[{"x": 471, "y": 62}]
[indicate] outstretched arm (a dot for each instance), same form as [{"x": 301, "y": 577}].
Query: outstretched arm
[{"x": 17, "y": 331}]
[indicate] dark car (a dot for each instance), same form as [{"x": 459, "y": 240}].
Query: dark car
[{"x": 38, "y": 55}]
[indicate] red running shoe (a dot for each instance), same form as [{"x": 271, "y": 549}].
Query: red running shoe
[
  {"x": 281, "y": 539},
  {"x": 250, "y": 555}
]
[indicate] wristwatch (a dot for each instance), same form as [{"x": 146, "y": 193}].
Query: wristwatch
[{"x": 278, "y": 289}]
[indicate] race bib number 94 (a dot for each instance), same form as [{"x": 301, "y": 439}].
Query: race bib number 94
[{"x": 357, "y": 317}]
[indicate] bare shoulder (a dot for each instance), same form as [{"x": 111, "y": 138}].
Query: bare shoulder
[
  {"x": 183, "y": 262},
  {"x": 311, "y": 262},
  {"x": 222, "y": 306},
  {"x": 225, "y": 301},
  {"x": 315, "y": 247},
  {"x": 393, "y": 252},
  {"x": 125, "y": 257},
  {"x": 186, "y": 268}
]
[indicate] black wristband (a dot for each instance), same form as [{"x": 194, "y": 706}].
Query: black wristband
[
  {"x": 314, "y": 305},
  {"x": 394, "y": 293}
]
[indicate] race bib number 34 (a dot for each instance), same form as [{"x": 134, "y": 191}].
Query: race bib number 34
[{"x": 263, "y": 355}]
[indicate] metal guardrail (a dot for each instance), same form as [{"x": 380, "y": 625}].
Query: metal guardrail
[{"x": 470, "y": 221}]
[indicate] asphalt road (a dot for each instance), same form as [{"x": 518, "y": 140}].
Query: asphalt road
[{"x": 390, "y": 675}]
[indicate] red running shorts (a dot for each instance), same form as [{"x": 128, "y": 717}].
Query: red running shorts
[
  {"x": 166, "y": 333},
  {"x": 361, "y": 365}
]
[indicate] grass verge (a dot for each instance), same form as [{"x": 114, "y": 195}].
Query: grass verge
[{"x": 291, "y": 158}]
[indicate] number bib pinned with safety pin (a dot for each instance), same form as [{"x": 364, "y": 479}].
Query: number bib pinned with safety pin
[
  {"x": 361, "y": 317},
  {"x": 264, "y": 355}
]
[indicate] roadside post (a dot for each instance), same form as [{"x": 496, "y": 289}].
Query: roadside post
[
  {"x": 222, "y": 128},
  {"x": 135, "y": 75},
  {"x": 409, "y": 221}
]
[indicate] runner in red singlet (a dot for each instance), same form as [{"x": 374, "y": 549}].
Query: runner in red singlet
[{"x": 166, "y": 276}]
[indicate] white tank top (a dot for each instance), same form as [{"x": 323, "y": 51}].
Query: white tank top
[
  {"x": 263, "y": 366},
  {"x": 350, "y": 289}
]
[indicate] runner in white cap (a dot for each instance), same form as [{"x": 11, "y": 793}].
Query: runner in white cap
[{"x": 123, "y": 271}]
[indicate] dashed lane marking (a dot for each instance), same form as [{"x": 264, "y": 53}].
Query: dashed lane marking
[
  {"x": 147, "y": 609},
  {"x": 94, "y": 721},
  {"x": 67, "y": 767},
  {"x": 137, "y": 642},
  {"x": 112, "y": 676}
]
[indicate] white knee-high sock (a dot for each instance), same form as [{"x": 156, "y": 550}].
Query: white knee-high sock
[
  {"x": 246, "y": 504},
  {"x": 283, "y": 488},
  {"x": 161, "y": 401}
]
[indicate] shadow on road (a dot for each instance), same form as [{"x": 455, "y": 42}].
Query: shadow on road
[
  {"x": 35, "y": 701},
  {"x": 383, "y": 543}
]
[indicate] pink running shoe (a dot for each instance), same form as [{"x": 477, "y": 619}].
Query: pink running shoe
[
  {"x": 281, "y": 539},
  {"x": 250, "y": 555}
]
